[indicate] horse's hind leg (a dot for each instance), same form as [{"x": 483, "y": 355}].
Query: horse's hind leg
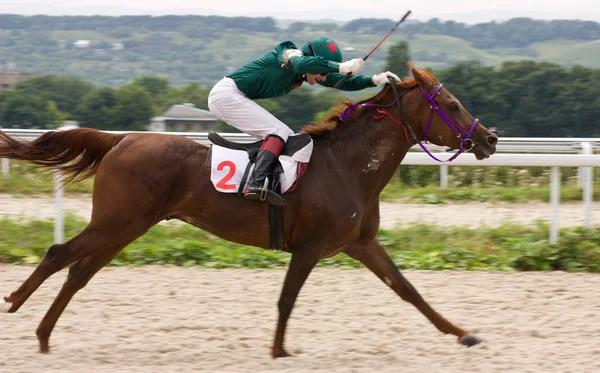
[
  {"x": 91, "y": 250},
  {"x": 79, "y": 275},
  {"x": 298, "y": 271},
  {"x": 374, "y": 257},
  {"x": 57, "y": 257},
  {"x": 103, "y": 241}
]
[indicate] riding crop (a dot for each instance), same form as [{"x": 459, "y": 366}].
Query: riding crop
[{"x": 341, "y": 81}]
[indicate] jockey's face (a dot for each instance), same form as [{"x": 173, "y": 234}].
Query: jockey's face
[{"x": 313, "y": 79}]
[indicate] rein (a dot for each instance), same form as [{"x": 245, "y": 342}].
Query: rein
[{"x": 464, "y": 136}]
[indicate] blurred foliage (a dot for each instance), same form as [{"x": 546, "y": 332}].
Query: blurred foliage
[
  {"x": 525, "y": 99},
  {"x": 396, "y": 59},
  {"x": 204, "y": 49},
  {"x": 143, "y": 64},
  {"x": 506, "y": 248},
  {"x": 26, "y": 179}
]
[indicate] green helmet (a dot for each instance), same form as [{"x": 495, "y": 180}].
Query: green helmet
[{"x": 323, "y": 47}]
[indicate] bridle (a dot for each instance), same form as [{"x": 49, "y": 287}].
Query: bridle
[{"x": 463, "y": 135}]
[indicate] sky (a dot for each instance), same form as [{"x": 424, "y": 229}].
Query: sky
[{"x": 469, "y": 10}]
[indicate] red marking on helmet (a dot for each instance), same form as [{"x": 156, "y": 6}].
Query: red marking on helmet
[{"x": 332, "y": 47}]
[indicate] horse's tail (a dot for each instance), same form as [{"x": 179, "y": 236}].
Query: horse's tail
[{"x": 76, "y": 153}]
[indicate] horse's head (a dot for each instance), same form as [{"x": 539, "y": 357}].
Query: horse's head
[
  {"x": 428, "y": 112},
  {"x": 441, "y": 119}
]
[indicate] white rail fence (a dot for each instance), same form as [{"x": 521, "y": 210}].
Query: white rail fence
[
  {"x": 505, "y": 157},
  {"x": 554, "y": 161},
  {"x": 505, "y": 145}
]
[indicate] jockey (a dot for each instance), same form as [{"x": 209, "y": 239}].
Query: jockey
[{"x": 275, "y": 74}]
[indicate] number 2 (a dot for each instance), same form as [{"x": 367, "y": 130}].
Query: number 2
[{"x": 223, "y": 182}]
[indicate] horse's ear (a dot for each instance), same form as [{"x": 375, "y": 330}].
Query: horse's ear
[{"x": 421, "y": 79}]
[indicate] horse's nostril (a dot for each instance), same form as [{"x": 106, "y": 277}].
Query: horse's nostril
[{"x": 492, "y": 139}]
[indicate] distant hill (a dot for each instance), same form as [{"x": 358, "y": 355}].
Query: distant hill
[
  {"x": 203, "y": 49},
  {"x": 347, "y": 14}
]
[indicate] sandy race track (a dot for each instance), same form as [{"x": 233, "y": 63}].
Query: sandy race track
[
  {"x": 157, "y": 319},
  {"x": 168, "y": 319}
]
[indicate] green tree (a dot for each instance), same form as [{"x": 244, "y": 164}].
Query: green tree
[
  {"x": 56, "y": 118},
  {"x": 156, "y": 86},
  {"x": 65, "y": 92},
  {"x": 159, "y": 90},
  {"x": 98, "y": 109},
  {"x": 396, "y": 59},
  {"x": 23, "y": 110},
  {"x": 134, "y": 108},
  {"x": 195, "y": 94}
]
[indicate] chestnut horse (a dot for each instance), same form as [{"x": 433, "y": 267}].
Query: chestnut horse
[{"x": 141, "y": 179}]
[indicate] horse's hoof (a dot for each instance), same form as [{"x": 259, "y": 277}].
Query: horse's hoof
[
  {"x": 279, "y": 353},
  {"x": 4, "y": 305},
  {"x": 470, "y": 340},
  {"x": 44, "y": 348}
]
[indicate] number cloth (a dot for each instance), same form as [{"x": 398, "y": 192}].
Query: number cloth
[{"x": 228, "y": 166}]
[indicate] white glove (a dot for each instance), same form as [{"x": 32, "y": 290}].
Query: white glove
[
  {"x": 352, "y": 66},
  {"x": 289, "y": 53},
  {"x": 382, "y": 78}
]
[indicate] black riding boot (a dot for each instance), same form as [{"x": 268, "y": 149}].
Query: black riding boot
[{"x": 266, "y": 159}]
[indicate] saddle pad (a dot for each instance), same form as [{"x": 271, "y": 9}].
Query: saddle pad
[{"x": 228, "y": 166}]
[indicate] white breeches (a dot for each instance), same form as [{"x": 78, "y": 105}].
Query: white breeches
[{"x": 233, "y": 107}]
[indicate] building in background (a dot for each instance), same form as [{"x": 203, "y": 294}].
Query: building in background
[
  {"x": 10, "y": 80},
  {"x": 82, "y": 44},
  {"x": 184, "y": 118}
]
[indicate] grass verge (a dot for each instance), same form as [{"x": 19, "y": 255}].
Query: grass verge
[{"x": 426, "y": 247}]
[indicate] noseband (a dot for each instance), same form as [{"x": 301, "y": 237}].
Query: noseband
[{"x": 464, "y": 136}]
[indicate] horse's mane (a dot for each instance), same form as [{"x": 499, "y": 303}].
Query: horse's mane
[{"x": 333, "y": 120}]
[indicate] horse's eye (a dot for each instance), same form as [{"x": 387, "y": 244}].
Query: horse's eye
[{"x": 454, "y": 106}]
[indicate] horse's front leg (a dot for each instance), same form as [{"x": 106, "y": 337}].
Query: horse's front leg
[
  {"x": 298, "y": 271},
  {"x": 374, "y": 257}
]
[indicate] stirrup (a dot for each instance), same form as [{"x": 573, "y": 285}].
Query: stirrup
[{"x": 264, "y": 190}]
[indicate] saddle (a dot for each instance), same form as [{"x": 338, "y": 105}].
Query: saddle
[{"x": 293, "y": 146}]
